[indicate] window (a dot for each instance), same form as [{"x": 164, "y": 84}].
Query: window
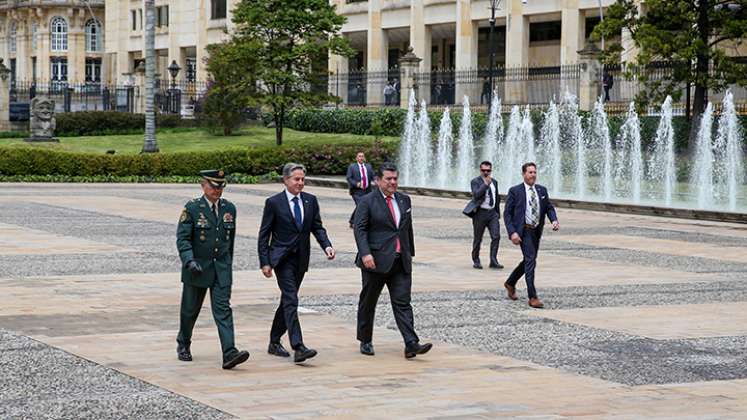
[
  {"x": 133, "y": 17},
  {"x": 93, "y": 70},
  {"x": 140, "y": 18},
  {"x": 59, "y": 69},
  {"x": 12, "y": 38},
  {"x": 591, "y": 23},
  {"x": 544, "y": 31},
  {"x": 34, "y": 34},
  {"x": 33, "y": 69},
  {"x": 94, "y": 36},
  {"x": 13, "y": 70},
  {"x": 162, "y": 16},
  {"x": 191, "y": 69},
  {"x": 218, "y": 9},
  {"x": 58, "y": 33}
]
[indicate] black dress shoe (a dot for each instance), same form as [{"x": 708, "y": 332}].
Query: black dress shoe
[
  {"x": 367, "y": 349},
  {"x": 302, "y": 354},
  {"x": 183, "y": 353},
  {"x": 278, "y": 350},
  {"x": 235, "y": 359},
  {"x": 496, "y": 265},
  {"x": 415, "y": 348},
  {"x": 477, "y": 265}
]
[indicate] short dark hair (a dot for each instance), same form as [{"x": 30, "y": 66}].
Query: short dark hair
[
  {"x": 486, "y": 163},
  {"x": 388, "y": 166},
  {"x": 527, "y": 165}
]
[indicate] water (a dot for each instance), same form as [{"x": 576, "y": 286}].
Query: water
[
  {"x": 702, "y": 177},
  {"x": 578, "y": 158},
  {"x": 466, "y": 148},
  {"x": 444, "y": 151}
]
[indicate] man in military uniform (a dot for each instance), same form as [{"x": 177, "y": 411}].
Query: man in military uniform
[{"x": 205, "y": 238}]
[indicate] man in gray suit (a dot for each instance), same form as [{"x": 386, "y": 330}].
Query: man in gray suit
[
  {"x": 360, "y": 178},
  {"x": 484, "y": 209}
]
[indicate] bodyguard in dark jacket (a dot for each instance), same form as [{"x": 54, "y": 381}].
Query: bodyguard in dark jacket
[
  {"x": 360, "y": 179},
  {"x": 384, "y": 236},
  {"x": 205, "y": 238},
  {"x": 288, "y": 221},
  {"x": 484, "y": 209},
  {"x": 527, "y": 205}
]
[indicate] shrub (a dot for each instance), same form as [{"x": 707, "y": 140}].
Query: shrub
[
  {"x": 322, "y": 160},
  {"x": 97, "y": 123}
]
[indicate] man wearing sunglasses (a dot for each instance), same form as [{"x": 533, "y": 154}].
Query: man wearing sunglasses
[
  {"x": 485, "y": 212},
  {"x": 205, "y": 239}
]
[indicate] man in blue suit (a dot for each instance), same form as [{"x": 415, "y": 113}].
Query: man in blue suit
[
  {"x": 288, "y": 220},
  {"x": 527, "y": 205}
]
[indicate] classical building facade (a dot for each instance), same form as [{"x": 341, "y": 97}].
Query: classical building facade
[
  {"x": 52, "y": 41},
  {"x": 184, "y": 28}
]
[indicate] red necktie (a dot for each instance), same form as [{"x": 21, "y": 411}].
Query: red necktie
[
  {"x": 364, "y": 178},
  {"x": 394, "y": 217}
]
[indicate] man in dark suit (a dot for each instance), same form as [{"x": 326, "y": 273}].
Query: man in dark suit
[
  {"x": 527, "y": 205},
  {"x": 484, "y": 209},
  {"x": 383, "y": 234},
  {"x": 360, "y": 178},
  {"x": 205, "y": 238},
  {"x": 288, "y": 220}
]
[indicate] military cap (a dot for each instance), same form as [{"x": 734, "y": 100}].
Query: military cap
[{"x": 216, "y": 177}]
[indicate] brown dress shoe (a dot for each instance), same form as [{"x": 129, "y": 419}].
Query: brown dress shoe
[
  {"x": 511, "y": 291},
  {"x": 536, "y": 303}
]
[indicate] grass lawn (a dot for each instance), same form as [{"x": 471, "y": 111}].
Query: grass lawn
[{"x": 192, "y": 140}]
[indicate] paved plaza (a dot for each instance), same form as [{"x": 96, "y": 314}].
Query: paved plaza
[{"x": 644, "y": 317}]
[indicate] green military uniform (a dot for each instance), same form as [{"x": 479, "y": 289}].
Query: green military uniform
[{"x": 207, "y": 236}]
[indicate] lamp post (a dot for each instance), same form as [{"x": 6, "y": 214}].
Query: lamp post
[
  {"x": 173, "y": 71},
  {"x": 491, "y": 44}
]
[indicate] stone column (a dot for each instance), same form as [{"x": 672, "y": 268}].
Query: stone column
[
  {"x": 591, "y": 73},
  {"x": 338, "y": 69},
  {"x": 517, "y": 51},
  {"x": 43, "y": 46},
  {"x": 421, "y": 42},
  {"x": 572, "y": 36},
  {"x": 4, "y": 97},
  {"x": 377, "y": 59},
  {"x": 140, "y": 88},
  {"x": 408, "y": 66},
  {"x": 203, "y": 18},
  {"x": 466, "y": 51},
  {"x": 23, "y": 56}
]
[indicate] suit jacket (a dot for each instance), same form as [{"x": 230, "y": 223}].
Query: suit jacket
[
  {"x": 354, "y": 177},
  {"x": 514, "y": 214},
  {"x": 375, "y": 232},
  {"x": 479, "y": 189},
  {"x": 208, "y": 240},
  {"x": 279, "y": 235}
]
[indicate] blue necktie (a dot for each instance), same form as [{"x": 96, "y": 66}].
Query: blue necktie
[{"x": 297, "y": 213}]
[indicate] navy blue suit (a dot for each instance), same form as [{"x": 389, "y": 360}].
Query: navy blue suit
[
  {"x": 514, "y": 217},
  {"x": 286, "y": 248}
]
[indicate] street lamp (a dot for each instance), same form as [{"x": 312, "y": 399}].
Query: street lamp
[
  {"x": 491, "y": 43},
  {"x": 173, "y": 71},
  {"x": 4, "y": 71}
]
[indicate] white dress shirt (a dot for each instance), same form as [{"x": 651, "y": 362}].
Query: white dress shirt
[
  {"x": 486, "y": 202},
  {"x": 396, "y": 209},
  {"x": 217, "y": 206},
  {"x": 364, "y": 176},
  {"x": 289, "y": 197},
  {"x": 528, "y": 212}
]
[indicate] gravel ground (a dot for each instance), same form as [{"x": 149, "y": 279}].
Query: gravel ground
[
  {"x": 487, "y": 321},
  {"x": 41, "y": 382}
]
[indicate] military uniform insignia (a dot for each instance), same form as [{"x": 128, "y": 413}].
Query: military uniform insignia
[
  {"x": 202, "y": 221},
  {"x": 184, "y": 216},
  {"x": 221, "y": 174},
  {"x": 228, "y": 218}
]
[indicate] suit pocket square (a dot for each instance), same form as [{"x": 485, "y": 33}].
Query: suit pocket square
[{"x": 408, "y": 210}]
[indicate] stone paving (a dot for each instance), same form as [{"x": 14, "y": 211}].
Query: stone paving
[{"x": 644, "y": 317}]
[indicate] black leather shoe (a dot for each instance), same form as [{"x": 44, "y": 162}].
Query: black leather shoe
[
  {"x": 236, "y": 359},
  {"x": 183, "y": 353},
  {"x": 477, "y": 265},
  {"x": 278, "y": 350},
  {"x": 496, "y": 265},
  {"x": 415, "y": 348},
  {"x": 302, "y": 354},
  {"x": 367, "y": 349}
]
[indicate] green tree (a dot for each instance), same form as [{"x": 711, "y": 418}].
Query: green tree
[
  {"x": 693, "y": 36},
  {"x": 279, "y": 41},
  {"x": 231, "y": 87}
]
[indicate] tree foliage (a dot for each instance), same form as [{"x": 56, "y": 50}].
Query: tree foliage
[
  {"x": 276, "y": 43},
  {"x": 694, "y": 37}
]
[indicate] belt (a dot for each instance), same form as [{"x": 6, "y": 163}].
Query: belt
[{"x": 528, "y": 226}]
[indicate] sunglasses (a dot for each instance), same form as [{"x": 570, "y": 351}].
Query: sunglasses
[{"x": 486, "y": 170}]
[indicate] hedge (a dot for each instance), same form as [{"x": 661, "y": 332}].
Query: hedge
[
  {"x": 172, "y": 179},
  {"x": 99, "y": 123},
  {"x": 321, "y": 160},
  {"x": 390, "y": 122}
]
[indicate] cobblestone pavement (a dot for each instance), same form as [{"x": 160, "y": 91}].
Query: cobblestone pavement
[{"x": 644, "y": 317}]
